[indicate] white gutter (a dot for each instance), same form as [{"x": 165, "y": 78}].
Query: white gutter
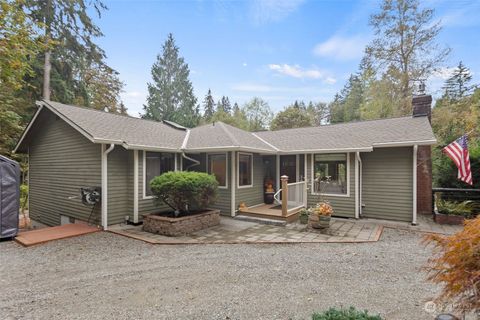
[
  {"x": 405, "y": 143},
  {"x": 105, "y": 153},
  {"x": 135, "y": 186},
  {"x": 414, "y": 219}
]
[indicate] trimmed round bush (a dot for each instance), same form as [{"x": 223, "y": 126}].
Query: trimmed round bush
[{"x": 185, "y": 191}]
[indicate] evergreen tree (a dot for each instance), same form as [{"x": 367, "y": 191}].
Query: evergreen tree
[
  {"x": 235, "y": 108},
  {"x": 170, "y": 96},
  {"x": 224, "y": 105},
  {"x": 208, "y": 106},
  {"x": 73, "y": 66},
  {"x": 458, "y": 85}
]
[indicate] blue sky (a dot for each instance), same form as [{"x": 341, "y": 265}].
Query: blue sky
[{"x": 278, "y": 50}]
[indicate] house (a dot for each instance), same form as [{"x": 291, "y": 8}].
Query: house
[{"x": 379, "y": 168}]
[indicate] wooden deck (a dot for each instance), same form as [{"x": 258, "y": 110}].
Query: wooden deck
[
  {"x": 271, "y": 211},
  {"x": 30, "y": 238}
]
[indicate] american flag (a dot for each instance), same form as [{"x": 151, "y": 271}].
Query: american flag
[{"x": 458, "y": 152}]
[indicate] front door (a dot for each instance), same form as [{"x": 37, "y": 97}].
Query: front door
[{"x": 288, "y": 167}]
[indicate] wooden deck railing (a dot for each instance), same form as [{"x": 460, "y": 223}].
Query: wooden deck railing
[{"x": 294, "y": 195}]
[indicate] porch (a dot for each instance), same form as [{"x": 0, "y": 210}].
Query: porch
[{"x": 287, "y": 204}]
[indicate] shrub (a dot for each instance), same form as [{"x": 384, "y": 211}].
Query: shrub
[
  {"x": 344, "y": 314},
  {"x": 464, "y": 208},
  {"x": 23, "y": 196},
  {"x": 184, "y": 191},
  {"x": 456, "y": 265}
]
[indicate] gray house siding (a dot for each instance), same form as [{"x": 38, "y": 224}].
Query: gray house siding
[
  {"x": 61, "y": 162},
  {"x": 223, "y": 202},
  {"x": 342, "y": 205},
  {"x": 119, "y": 202},
  {"x": 388, "y": 183},
  {"x": 146, "y": 205},
  {"x": 251, "y": 195}
]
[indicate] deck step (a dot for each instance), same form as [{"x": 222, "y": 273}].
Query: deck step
[{"x": 273, "y": 222}]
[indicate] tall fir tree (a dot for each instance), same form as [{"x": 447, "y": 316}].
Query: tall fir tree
[
  {"x": 170, "y": 96},
  {"x": 458, "y": 85},
  {"x": 224, "y": 105},
  {"x": 208, "y": 106},
  {"x": 72, "y": 68}
]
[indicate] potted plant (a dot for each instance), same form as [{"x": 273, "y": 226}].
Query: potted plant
[
  {"x": 321, "y": 214},
  {"x": 452, "y": 212},
  {"x": 303, "y": 217}
]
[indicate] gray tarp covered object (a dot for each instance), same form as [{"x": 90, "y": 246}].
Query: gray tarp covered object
[{"x": 9, "y": 197}]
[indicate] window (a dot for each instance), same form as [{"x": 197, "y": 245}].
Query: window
[
  {"x": 245, "y": 172},
  {"x": 217, "y": 165},
  {"x": 330, "y": 174},
  {"x": 155, "y": 164}
]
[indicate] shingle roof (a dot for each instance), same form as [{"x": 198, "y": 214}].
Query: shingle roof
[
  {"x": 128, "y": 130},
  {"x": 220, "y": 135},
  {"x": 134, "y": 133},
  {"x": 352, "y": 135}
]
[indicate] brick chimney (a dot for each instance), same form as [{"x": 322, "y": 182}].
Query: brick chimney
[{"x": 422, "y": 106}]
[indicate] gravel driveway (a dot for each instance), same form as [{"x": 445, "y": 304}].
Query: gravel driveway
[{"x": 107, "y": 276}]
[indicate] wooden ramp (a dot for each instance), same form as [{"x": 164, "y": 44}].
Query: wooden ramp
[{"x": 30, "y": 238}]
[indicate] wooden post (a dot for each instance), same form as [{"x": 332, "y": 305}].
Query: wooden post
[{"x": 284, "y": 180}]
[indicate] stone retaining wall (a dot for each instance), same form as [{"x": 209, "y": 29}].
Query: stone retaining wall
[{"x": 180, "y": 226}]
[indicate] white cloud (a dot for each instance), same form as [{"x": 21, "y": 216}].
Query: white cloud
[
  {"x": 443, "y": 73},
  {"x": 244, "y": 64},
  {"x": 265, "y": 11},
  {"x": 298, "y": 72},
  {"x": 342, "y": 48}
]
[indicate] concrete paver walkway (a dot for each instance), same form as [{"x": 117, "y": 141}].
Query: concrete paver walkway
[{"x": 236, "y": 231}]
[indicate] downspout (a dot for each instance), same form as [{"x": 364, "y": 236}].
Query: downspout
[
  {"x": 135, "y": 186},
  {"x": 360, "y": 188},
  {"x": 357, "y": 191},
  {"x": 414, "y": 219},
  {"x": 105, "y": 184},
  {"x": 195, "y": 162},
  {"x": 184, "y": 156},
  {"x": 232, "y": 184}
]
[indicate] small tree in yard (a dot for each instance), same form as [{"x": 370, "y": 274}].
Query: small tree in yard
[
  {"x": 185, "y": 191},
  {"x": 456, "y": 265}
]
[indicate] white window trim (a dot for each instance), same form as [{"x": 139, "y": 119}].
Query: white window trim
[
  {"x": 226, "y": 167},
  {"x": 238, "y": 170},
  {"x": 347, "y": 195},
  {"x": 144, "y": 174}
]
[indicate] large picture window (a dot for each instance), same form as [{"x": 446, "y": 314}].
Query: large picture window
[
  {"x": 217, "y": 165},
  {"x": 157, "y": 163},
  {"x": 330, "y": 174},
  {"x": 245, "y": 170}
]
